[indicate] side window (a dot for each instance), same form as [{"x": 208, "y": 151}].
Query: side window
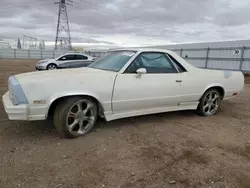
[
  {"x": 67, "y": 57},
  {"x": 177, "y": 64},
  {"x": 153, "y": 62},
  {"x": 84, "y": 57},
  {"x": 81, "y": 57},
  {"x": 63, "y": 58},
  {"x": 78, "y": 57}
]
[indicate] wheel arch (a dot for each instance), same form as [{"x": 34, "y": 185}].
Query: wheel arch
[
  {"x": 56, "y": 100},
  {"x": 218, "y": 87},
  {"x": 51, "y": 63}
]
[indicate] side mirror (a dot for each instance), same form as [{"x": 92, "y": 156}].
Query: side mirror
[
  {"x": 64, "y": 58},
  {"x": 141, "y": 71}
]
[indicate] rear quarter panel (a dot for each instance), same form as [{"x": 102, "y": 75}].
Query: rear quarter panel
[{"x": 231, "y": 81}]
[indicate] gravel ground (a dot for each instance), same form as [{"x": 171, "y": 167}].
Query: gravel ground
[{"x": 179, "y": 149}]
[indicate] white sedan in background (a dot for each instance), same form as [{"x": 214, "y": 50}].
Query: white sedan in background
[
  {"x": 124, "y": 83},
  {"x": 68, "y": 60}
]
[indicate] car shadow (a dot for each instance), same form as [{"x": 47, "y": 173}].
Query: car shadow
[
  {"x": 46, "y": 130},
  {"x": 152, "y": 118}
]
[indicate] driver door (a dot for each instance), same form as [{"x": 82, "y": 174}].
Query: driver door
[{"x": 157, "y": 88}]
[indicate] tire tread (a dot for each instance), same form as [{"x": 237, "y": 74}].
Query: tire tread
[
  {"x": 199, "y": 108},
  {"x": 61, "y": 111}
]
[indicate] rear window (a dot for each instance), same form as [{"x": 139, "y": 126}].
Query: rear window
[
  {"x": 177, "y": 64},
  {"x": 81, "y": 57}
]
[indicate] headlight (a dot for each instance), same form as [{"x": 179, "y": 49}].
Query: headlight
[
  {"x": 16, "y": 92},
  {"x": 43, "y": 61}
]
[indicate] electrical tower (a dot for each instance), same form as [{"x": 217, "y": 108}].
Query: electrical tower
[
  {"x": 63, "y": 38},
  {"x": 32, "y": 42}
]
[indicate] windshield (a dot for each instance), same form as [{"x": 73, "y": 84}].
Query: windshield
[{"x": 114, "y": 61}]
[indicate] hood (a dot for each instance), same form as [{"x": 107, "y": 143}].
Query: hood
[
  {"x": 47, "y": 85},
  {"x": 47, "y": 60},
  {"x": 62, "y": 74}
]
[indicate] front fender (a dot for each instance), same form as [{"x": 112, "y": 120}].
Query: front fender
[
  {"x": 102, "y": 105},
  {"x": 72, "y": 93}
]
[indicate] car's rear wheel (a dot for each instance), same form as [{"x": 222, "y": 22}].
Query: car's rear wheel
[
  {"x": 75, "y": 116},
  {"x": 51, "y": 66},
  {"x": 209, "y": 103}
]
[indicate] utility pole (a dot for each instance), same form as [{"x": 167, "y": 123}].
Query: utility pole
[
  {"x": 42, "y": 45},
  {"x": 19, "y": 43},
  {"x": 63, "y": 38}
]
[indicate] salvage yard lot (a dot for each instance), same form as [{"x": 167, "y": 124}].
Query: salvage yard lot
[{"x": 178, "y": 149}]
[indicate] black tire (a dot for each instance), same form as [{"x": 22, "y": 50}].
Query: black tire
[
  {"x": 50, "y": 65},
  {"x": 201, "y": 111},
  {"x": 61, "y": 114}
]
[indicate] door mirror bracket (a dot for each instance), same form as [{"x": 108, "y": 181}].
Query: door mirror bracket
[{"x": 141, "y": 71}]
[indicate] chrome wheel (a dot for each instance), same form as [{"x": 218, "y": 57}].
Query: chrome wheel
[
  {"x": 51, "y": 67},
  {"x": 80, "y": 117},
  {"x": 211, "y": 103}
]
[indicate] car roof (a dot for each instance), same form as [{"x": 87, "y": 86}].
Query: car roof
[
  {"x": 143, "y": 50},
  {"x": 75, "y": 53},
  {"x": 183, "y": 62}
]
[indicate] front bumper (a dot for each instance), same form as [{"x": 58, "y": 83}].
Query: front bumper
[
  {"x": 24, "y": 111},
  {"x": 18, "y": 112},
  {"x": 40, "y": 67}
]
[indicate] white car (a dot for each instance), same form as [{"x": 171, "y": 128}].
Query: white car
[
  {"x": 124, "y": 83},
  {"x": 68, "y": 60}
]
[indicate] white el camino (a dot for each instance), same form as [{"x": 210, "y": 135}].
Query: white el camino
[{"x": 124, "y": 83}]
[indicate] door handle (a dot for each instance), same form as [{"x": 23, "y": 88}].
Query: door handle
[{"x": 178, "y": 81}]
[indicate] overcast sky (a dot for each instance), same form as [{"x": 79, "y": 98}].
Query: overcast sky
[{"x": 130, "y": 22}]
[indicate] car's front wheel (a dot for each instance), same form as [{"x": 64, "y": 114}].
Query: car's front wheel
[
  {"x": 209, "y": 103},
  {"x": 51, "y": 66},
  {"x": 75, "y": 116}
]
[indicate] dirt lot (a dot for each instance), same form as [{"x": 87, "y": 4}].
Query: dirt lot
[{"x": 179, "y": 149}]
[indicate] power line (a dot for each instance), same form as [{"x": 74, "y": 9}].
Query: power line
[
  {"x": 32, "y": 41},
  {"x": 143, "y": 23},
  {"x": 98, "y": 9},
  {"x": 107, "y": 11},
  {"x": 19, "y": 5},
  {"x": 117, "y": 15}
]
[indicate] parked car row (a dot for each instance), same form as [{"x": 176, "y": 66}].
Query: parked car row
[
  {"x": 124, "y": 83},
  {"x": 69, "y": 60}
]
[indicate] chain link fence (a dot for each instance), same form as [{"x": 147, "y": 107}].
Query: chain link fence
[
  {"x": 226, "y": 58},
  {"x": 6, "y": 53}
]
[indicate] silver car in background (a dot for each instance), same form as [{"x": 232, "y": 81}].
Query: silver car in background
[{"x": 68, "y": 60}]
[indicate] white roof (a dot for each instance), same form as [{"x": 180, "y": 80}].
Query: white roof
[
  {"x": 175, "y": 55},
  {"x": 75, "y": 53},
  {"x": 144, "y": 50}
]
